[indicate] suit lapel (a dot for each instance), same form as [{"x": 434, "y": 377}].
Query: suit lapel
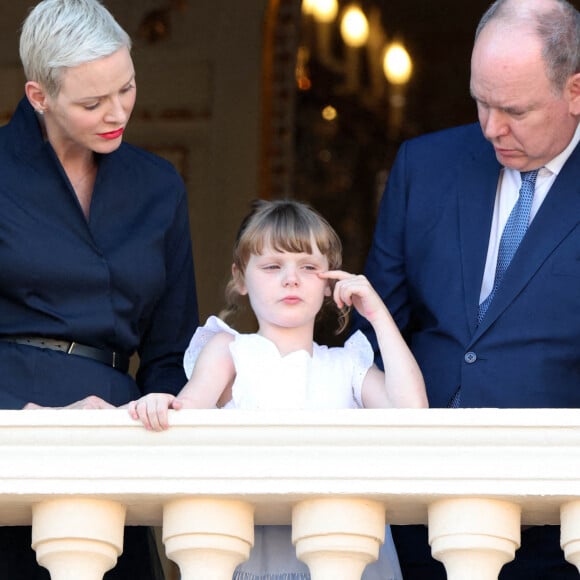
[
  {"x": 558, "y": 215},
  {"x": 477, "y": 186}
]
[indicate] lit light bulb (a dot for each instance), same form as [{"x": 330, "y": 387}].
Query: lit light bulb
[
  {"x": 329, "y": 113},
  {"x": 354, "y": 27},
  {"x": 397, "y": 64},
  {"x": 308, "y": 6},
  {"x": 324, "y": 10}
]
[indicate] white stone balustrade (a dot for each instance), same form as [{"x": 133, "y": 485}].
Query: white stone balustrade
[
  {"x": 68, "y": 533},
  {"x": 338, "y": 537},
  {"x": 473, "y": 537},
  {"x": 207, "y": 537},
  {"x": 473, "y": 475}
]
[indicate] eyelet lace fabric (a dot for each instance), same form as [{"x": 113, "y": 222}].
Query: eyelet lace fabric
[{"x": 329, "y": 379}]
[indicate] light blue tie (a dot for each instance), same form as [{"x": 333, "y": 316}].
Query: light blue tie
[{"x": 513, "y": 233}]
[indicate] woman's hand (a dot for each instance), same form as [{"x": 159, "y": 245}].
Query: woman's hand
[
  {"x": 90, "y": 402},
  {"x": 152, "y": 409}
]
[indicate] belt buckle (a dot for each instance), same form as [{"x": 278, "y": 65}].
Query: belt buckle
[{"x": 71, "y": 347}]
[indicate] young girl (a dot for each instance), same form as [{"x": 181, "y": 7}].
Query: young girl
[{"x": 286, "y": 261}]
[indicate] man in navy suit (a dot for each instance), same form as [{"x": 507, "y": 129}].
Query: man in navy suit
[{"x": 435, "y": 249}]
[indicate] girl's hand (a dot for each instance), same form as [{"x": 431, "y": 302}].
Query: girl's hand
[
  {"x": 151, "y": 410},
  {"x": 355, "y": 290}
]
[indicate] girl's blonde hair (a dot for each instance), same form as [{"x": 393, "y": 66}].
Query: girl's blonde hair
[{"x": 287, "y": 226}]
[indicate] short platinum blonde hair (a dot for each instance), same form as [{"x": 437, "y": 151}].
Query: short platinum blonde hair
[{"x": 60, "y": 34}]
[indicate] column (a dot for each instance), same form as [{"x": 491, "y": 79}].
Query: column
[
  {"x": 338, "y": 537},
  {"x": 77, "y": 537},
  {"x": 570, "y": 532},
  {"x": 474, "y": 538},
  {"x": 208, "y": 538}
]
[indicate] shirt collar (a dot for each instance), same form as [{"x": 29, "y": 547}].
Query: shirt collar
[{"x": 556, "y": 164}]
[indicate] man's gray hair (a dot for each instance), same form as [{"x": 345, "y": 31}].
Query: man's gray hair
[{"x": 557, "y": 26}]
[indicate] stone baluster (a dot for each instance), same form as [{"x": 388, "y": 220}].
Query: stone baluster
[
  {"x": 570, "y": 532},
  {"x": 208, "y": 538},
  {"x": 338, "y": 537},
  {"x": 474, "y": 538},
  {"x": 77, "y": 537}
]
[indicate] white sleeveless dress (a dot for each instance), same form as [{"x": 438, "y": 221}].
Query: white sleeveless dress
[{"x": 329, "y": 379}]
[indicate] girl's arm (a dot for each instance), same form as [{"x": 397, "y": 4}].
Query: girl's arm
[
  {"x": 212, "y": 374},
  {"x": 401, "y": 385}
]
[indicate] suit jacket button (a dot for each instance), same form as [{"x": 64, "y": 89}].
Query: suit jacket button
[{"x": 470, "y": 357}]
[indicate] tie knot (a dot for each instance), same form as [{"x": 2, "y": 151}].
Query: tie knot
[{"x": 529, "y": 177}]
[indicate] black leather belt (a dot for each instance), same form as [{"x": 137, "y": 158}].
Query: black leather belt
[{"x": 110, "y": 358}]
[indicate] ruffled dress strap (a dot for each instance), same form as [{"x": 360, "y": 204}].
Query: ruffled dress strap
[
  {"x": 201, "y": 337},
  {"x": 361, "y": 352}
]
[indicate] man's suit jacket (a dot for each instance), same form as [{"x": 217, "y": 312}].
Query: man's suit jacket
[{"x": 427, "y": 261}]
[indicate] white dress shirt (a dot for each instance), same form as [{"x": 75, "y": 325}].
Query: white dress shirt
[{"x": 508, "y": 189}]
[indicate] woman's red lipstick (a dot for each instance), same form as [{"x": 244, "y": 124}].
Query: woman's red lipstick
[{"x": 112, "y": 134}]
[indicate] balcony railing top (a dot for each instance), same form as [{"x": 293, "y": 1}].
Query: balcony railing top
[{"x": 405, "y": 458}]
